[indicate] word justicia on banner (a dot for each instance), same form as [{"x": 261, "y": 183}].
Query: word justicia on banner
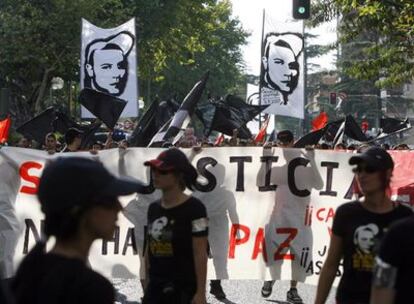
[{"x": 270, "y": 210}]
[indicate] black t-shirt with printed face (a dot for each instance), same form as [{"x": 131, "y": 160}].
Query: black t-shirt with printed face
[
  {"x": 361, "y": 231},
  {"x": 170, "y": 233},
  {"x": 397, "y": 249}
]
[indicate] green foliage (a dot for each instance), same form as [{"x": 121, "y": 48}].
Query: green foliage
[
  {"x": 40, "y": 40},
  {"x": 387, "y": 24},
  {"x": 200, "y": 36},
  {"x": 219, "y": 38},
  {"x": 177, "y": 41}
]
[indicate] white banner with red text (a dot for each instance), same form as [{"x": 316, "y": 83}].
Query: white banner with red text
[{"x": 270, "y": 210}]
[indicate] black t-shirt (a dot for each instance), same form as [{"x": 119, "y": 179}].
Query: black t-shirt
[
  {"x": 361, "y": 231},
  {"x": 54, "y": 279},
  {"x": 170, "y": 233},
  {"x": 397, "y": 249}
]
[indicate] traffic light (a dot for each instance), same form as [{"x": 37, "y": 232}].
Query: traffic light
[
  {"x": 301, "y": 9},
  {"x": 332, "y": 98}
]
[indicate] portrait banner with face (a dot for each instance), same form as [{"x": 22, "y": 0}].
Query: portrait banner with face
[
  {"x": 282, "y": 67},
  {"x": 109, "y": 63}
]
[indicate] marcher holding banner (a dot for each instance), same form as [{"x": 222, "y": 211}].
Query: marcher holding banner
[
  {"x": 176, "y": 254},
  {"x": 79, "y": 198},
  {"x": 283, "y": 219},
  {"x": 358, "y": 228}
]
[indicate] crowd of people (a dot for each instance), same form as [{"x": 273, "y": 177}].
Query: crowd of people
[
  {"x": 177, "y": 238},
  {"x": 71, "y": 141}
]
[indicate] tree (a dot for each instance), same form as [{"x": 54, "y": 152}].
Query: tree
[
  {"x": 387, "y": 24},
  {"x": 201, "y": 36},
  {"x": 175, "y": 39},
  {"x": 41, "y": 40}
]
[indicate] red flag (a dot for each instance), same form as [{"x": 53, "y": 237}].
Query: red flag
[
  {"x": 219, "y": 139},
  {"x": 4, "y": 129},
  {"x": 364, "y": 126},
  {"x": 320, "y": 121},
  {"x": 262, "y": 133}
]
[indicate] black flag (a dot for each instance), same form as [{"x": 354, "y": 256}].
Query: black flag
[
  {"x": 146, "y": 127},
  {"x": 37, "y": 127},
  {"x": 183, "y": 116},
  {"x": 390, "y": 125},
  {"x": 62, "y": 123},
  {"x": 229, "y": 114},
  {"x": 353, "y": 130},
  {"x": 310, "y": 139},
  {"x": 334, "y": 132},
  {"x": 104, "y": 106},
  {"x": 88, "y": 136}
]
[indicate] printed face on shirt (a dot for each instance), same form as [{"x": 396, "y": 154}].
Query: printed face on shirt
[
  {"x": 160, "y": 237},
  {"x": 364, "y": 237},
  {"x": 157, "y": 228}
]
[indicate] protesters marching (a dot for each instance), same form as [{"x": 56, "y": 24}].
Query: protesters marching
[{"x": 194, "y": 152}]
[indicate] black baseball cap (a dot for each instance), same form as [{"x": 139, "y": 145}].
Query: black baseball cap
[
  {"x": 70, "y": 182},
  {"x": 374, "y": 157},
  {"x": 174, "y": 159},
  {"x": 285, "y": 136}
]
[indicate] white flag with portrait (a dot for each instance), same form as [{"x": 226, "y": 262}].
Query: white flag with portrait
[
  {"x": 282, "y": 66},
  {"x": 109, "y": 63}
]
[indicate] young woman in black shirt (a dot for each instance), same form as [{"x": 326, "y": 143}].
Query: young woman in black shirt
[
  {"x": 176, "y": 252},
  {"x": 79, "y": 198},
  {"x": 358, "y": 228}
]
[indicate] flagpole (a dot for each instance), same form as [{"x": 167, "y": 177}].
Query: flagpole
[
  {"x": 261, "y": 68},
  {"x": 305, "y": 76}
]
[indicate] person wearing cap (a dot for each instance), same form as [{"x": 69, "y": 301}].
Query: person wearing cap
[
  {"x": 73, "y": 140},
  {"x": 176, "y": 251},
  {"x": 358, "y": 227},
  {"x": 106, "y": 63},
  {"x": 79, "y": 199}
]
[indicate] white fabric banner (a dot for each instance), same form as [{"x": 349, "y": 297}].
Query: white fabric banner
[
  {"x": 270, "y": 210},
  {"x": 109, "y": 63},
  {"x": 282, "y": 67}
]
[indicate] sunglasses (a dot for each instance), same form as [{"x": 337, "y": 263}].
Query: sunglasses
[
  {"x": 162, "y": 172},
  {"x": 366, "y": 169}
]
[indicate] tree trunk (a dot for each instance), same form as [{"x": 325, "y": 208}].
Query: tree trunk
[{"x": 42, "y": 90}]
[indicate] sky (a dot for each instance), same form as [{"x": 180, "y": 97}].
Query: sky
[{"x": 250, "y": 13}]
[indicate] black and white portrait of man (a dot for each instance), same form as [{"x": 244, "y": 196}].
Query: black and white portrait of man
[
  {"x": 106, "y": 63},
  {"x": 280, "y": 65},
  {"x": 109, "y": 63}
]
